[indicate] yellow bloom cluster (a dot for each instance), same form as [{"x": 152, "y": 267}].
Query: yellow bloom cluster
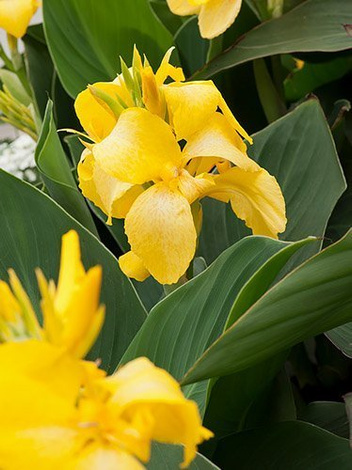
[
  {"x": 61, "y": 412},
  {"x": 158, "y": 149},
  {"x": 214, "y": 16},
  {"x": 15, "y": 15}
]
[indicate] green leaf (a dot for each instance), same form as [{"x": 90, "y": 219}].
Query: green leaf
[
  {"x": 162, "y": 10},
  {"x": 314, "y": 298},
  {"x": 291, "y": 445},
  {"x": 301, "y": 82},
  {"x": 328, "y": 415},
  {"x": 53, "y": 165},
  {"x": 39, "y": 65},
  {"x": 315, "y": 25},
  {"x": 299, "y": 151},
  {"x": 169, "y": 457},
  {"x": 31, "y": 228},
  {"x": 180, "y": 327},
  {"x": 92, "y": 35},
  {"x": 191, "y": 46},
  {"x": 341, "y": 337}
]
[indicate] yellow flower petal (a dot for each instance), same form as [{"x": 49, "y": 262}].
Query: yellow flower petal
[
  {"x": 140, "y": 388},
  {"x": 39, "y": 385},
  {"x": 183, "y": 7},
  {"x": 133, "y": 267},
  {"x": 15, "y": 15},
  {"x": 192, "y": 104},
  {"x": 45, "y": 447},
  {"x": 97, "y": 457},
  {"x": 72, "y": 316},
  {"x": 192, "y": 188},
  {"x": 167, "y": 70},
  {"x": 255, "y": 197},
  {"x": 216, "y": 16},
  {"x": 112, "y": 196},
  {"x": 141, "y": 148},
  {"x": 97, "y": 120},
  {"x": 218, "y": 139},
  {"x": 161, "y": 232},
  {"x": 71, "y": 269}
]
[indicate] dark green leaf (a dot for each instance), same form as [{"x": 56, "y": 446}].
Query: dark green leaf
[
  {"x": 314, "y": 298},
  {"x": 328, "y": 415},
  {"x": 166, "y": 457},
  {"x": 86, "y": 38},
  {"x": 291, "y": 446},
  {"x": 315, "y": 25},
  {"x": 180, "y": 328},
  {"x": 53, "y": 165},
  {"x": 31, "y": 228}
]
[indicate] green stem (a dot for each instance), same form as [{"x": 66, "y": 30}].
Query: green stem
[
  {"x": 269, "y": 97},
  {"x": 215, "y": 47}
]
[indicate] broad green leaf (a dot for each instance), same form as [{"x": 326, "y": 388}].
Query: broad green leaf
[
  {"x": 167, "y": 457},
  {"x": 53, "y": 165},
  {"x": 32, "y": 225},
  {"x": 328, "y": 415},
  {"x": 86, "y": 38},
  {"x": 341, "y": 337},
  {"x": 162, "y": 10},
  {"x": 299, "y": 151},
  {"x": 315, "y": 25},
  {"x": 291, "y": 445},
  {"x": 39, "y": 65},
  {"x": 301, "y": 82},
  {"x": 192, "y": 48},
  {"x": 314, "y": 298},
  {"x": 180, "y": 327}
]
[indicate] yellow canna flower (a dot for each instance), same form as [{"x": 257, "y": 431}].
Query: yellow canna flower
[
  {"x": 71, "y": 312},
  {"x": 15, "y": 15},
  {"x": 214, "y": 16},
  {"x": 159, "y": 160},
  {"x": 64, "y": 413}
]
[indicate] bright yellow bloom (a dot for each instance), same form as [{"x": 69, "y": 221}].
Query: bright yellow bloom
[
  {"x": 71, "y": 312},
  {"x": 58, "y": 412},
  {"x": 214, "y": 16},
  {"x": 161, "y": 158},
  {"x": 15, "y": 15}
]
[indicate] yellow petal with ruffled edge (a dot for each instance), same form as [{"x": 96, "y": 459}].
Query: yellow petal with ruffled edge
[
  {"x": 192, "y": 104},
  {"x": 255, "y": 197},
  {"x": 112, "y": 196},
  {"x": 98, "y": 120},
  {"x": 161, "y": 232},
  {"x": 183, "y": 7},
  {"x": 98, "y": 457},
  {"x": 140, "y": 388},
  {"x": 15, "y": 15},
  {"x": 141, "y": 148},
  {"x": 133, "y": 267},
  {"x": 218, "y": 139},
  {"x": 216, "y": 16}
]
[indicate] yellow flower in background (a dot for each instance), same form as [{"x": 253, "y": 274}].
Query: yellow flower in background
[
  {"x": 15, "y": 15},
  {"x": 58, "y": 412},
  {"x": 176, "y": 143},
  {"x": 71, "y": 313},
  {"x": 214, "y": 16}
]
